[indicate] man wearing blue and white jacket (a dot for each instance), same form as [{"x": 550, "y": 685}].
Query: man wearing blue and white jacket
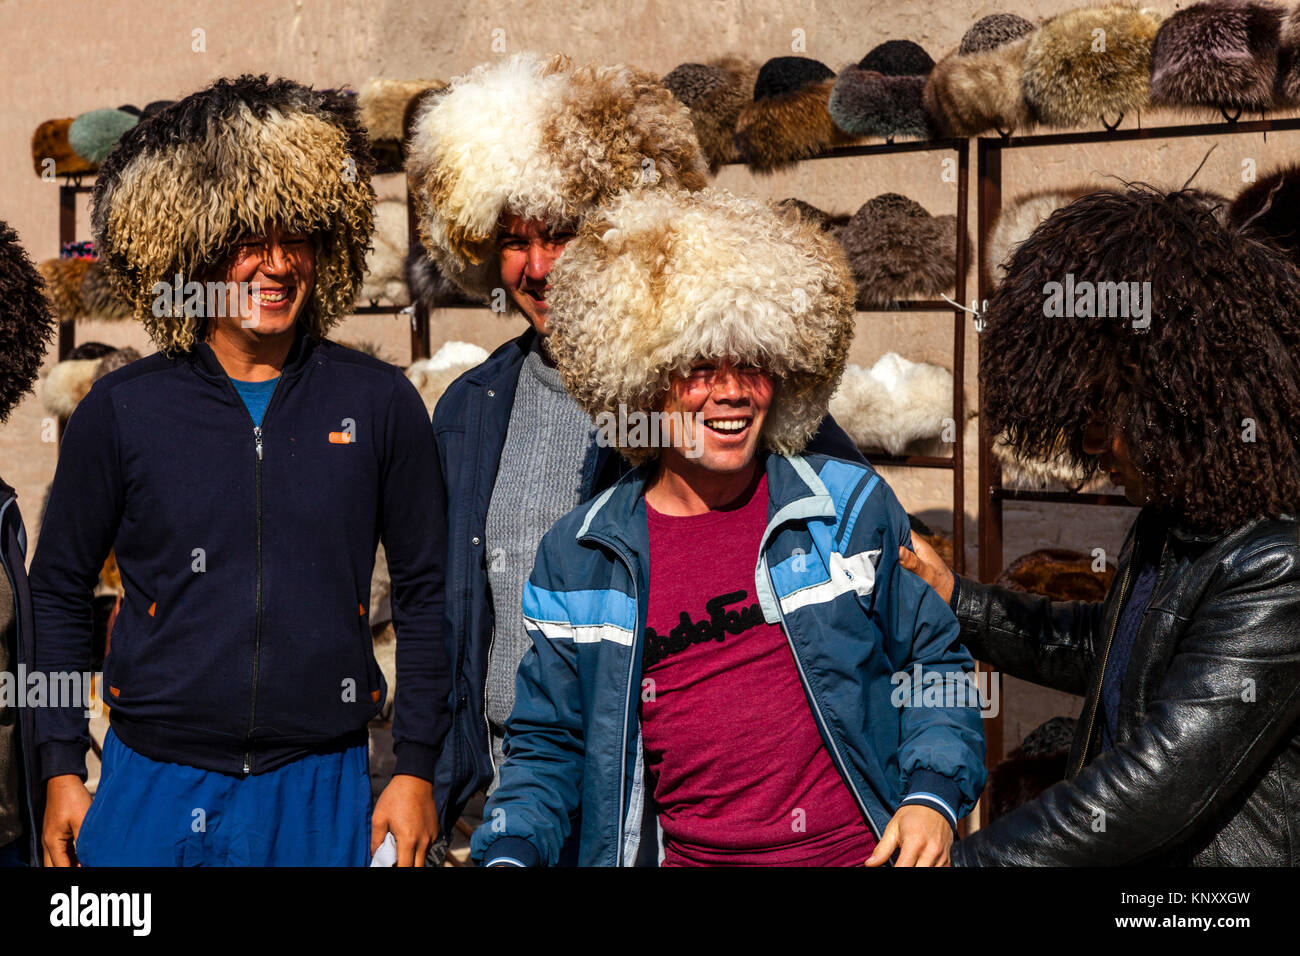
[{"x": 718, "y": 639}]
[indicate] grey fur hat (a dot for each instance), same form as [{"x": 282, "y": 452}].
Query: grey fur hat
[
  {"x": 881, "y": 95},
  {"x": 897, "y": 250}
]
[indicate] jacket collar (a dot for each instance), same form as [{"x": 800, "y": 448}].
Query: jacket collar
[
  {"x": 794, "y": 491},
  {"x": 205, "y": 362},
  {"x": 501, "y": 368}
]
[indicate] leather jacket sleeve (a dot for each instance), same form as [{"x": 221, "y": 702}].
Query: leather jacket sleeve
[
  {"x": 1230, "y": 696},
  {"x": 1050, "y": 643}
]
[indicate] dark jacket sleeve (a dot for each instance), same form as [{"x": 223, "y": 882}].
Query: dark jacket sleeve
[
  {"x": 81, "y": 521},
  {"x": 414, "y": 530},
  {"x": 1027, "y": 636},
  {"x": 831, "y": 440},
  {"x": 1230, "y": 697}
]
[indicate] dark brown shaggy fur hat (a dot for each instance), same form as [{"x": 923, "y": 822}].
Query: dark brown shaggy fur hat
[
  {"x": 1031, "y": 768},
  {"x": 881, "y": 95},
  {"x": 788, "y": 119},
  {"x": 977, "y": 87},
  {"x": 1074, "y": 75},
  {"x": 1270, "y": 209},
  {"x": 1217, "y": 346},
  {"x": 1059, "y": 574},
  {"x": 185, "y": 184},
  {"x": 26, "y": 324},
  {"x": 1222, "y": 54},
  {"x": 715, "y": 93},
  {"x": 897, "y": 250},
  {"x": 428, "y": 285}
]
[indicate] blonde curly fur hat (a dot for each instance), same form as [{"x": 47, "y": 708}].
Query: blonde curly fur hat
[
  {"x": 184, "y": 185},
  {"x": 656, "y": 281},
  {"x": 540, "y": 138}
]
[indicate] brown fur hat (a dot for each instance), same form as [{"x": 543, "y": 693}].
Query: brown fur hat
[
  {"x": 185, "y": 184},
  {"x": 543, "y": 139},
  {"x": 881, "y": 95},
  {"x": 67, "y": 383},
  {"x": 658, "y": 280},
  {"x": 977, "y": 87},
  {"x": 1020, "y": 217},
  {"x": 788, "y": 119},
  {"x": 826, "y": 221},
  {"x": 26, "y": 323},
  {"x": 383, "y": 108},
  {"x": 50, "y": 141},
  {"x": 1222, "y": 55},
  {"x": 1270, "y": 208},
  {"x": 897, "y": 250},
  {"x": 1074, "y": 75},
  {"x": 715, "y": 93},
  {"x": 1059, "y": 574},
  {"x": 99, "y": 300}
]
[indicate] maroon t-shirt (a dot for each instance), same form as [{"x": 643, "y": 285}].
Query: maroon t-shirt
[{"x": 740, "y": 773}]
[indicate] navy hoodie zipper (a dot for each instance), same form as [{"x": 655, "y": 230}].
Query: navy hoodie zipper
[{"x": 257, "y": 630}]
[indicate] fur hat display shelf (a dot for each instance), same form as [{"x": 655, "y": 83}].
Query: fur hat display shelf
[
  {"x": 656, "y": 280},
  {"x": 897, "y": 251},
  {"x": 881, "y": 95},
  {"x": 789, "y": 117},
  {"x": 543, "y": 139},
  {"x": 1090, "y": 64},
  {"x": 977, "y": 88},
  {"x": 1220, "y": 55},
  {"x": 715, "y": 92},
  {"x": 894, "y": 404},
  {"x": 284, "y": 151}
]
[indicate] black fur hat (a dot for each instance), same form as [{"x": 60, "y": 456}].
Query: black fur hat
[
  {"x": 26, "y": 323},
  {"x": 977, "y": 87},
  {"x": 881, "y": 95},
  {"x": 715, "y": 93},
  {"x": 428, "y": 285},
  {"x": 897, "y": 250},
  {"x": 1270, "y": 209},
  {"x": 1222, "y": 55},
  {"x": 788, "y": 119}
]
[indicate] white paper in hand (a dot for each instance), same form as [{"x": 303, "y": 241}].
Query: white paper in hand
[{"x": 386, "y": 855}]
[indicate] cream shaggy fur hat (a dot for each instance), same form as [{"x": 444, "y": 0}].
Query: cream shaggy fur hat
[
  {"x": 540, "y": 138},
  {"x": 184, "y": 185},
  {"x": 656, "y": 281}
]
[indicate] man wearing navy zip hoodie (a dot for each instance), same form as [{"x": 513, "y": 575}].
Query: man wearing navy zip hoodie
[{"x": 243, "y": 475}]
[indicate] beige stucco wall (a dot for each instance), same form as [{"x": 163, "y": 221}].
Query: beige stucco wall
[{"x": 65, "y": 58}]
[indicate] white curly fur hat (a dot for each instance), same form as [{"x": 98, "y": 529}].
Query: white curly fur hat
[
  {"x": 657, "y": 280},
  {"x": 540, "y": 138}
]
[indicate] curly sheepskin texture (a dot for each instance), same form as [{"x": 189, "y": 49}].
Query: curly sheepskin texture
[
  {"x": 655, "y": 282},
  {"x": 432, "y": 376},
  {"x": 1222, "y": 55},
  {"x": 899, "y": 251},
  {"x": 1070, "y": 81},
  {"x": 188, "y": 182},
  {"x": 967, "y": 94},
  {"x": 715, "y": 93},
  {"x": 26, "y": 322},
  {"x": 542, "y": 139},
  {"x": 995, "y": 30},
  {"x": 386, "y": 263},
  {"x": 1020, "y": 217},
  {"x": 893, "y": 404}
]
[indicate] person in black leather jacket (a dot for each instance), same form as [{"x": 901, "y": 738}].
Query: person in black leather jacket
[{"x": 1188, "y": 748}]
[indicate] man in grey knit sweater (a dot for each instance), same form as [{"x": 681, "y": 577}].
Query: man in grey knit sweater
[{"x": 505, "y": 165}]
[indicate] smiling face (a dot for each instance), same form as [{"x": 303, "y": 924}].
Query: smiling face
[
  {"x": 276, "y": 274},
  {"x": 724, "y": 407},
  {"x": 528, "y": 249}
]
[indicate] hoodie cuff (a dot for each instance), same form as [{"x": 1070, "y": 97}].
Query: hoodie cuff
[
  {"x": 511, "y": 851},
  {"x": 929, "y": 789},
  {"x": 59, "y": 757},
  {"x": 415, "y": 759}
]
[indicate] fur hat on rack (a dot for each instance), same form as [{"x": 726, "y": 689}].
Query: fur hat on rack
[
  {"x": 67, "y": 383},
  {"x": 977, "y": 87},
  {"x": 897, "y": 250},
  {"x": 543, "y": 139},
  {"x": 386, "y": 263},
  {"x": 26, "y": 324},
  {"x": 789, "y": 117},
  {"x": 715, "y": 92},
  {"x": 93, "y": 135},
  {"x": 225, "y": 162},
  {"x": 826, "y": 221},
  {"x": 893, "y": 404},
  {"x": 50, "y": 142},
  {"x": 881, "y": 95},
  {"x": 1270, "y": 209},
  {"x": 1020, "y": 217},
  {"x": 382, "y": 105},
  {"x": 1058, "y": 573},
  {"x": 655, "y": 281},
  {"x": 1090, "y": 64},
  {"x": 432, "y": 376},
  {"x": 81, "y": 289},
  {"x": 1218, "y": 55},
  {"x": 1142, "y": 308}
]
